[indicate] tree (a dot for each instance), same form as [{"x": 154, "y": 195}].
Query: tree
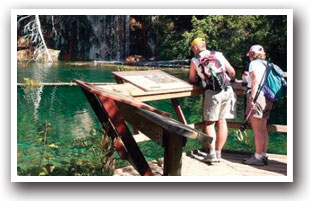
[
  {"x": 231, "y": 34},
  {"x": 32, "y": 32}
]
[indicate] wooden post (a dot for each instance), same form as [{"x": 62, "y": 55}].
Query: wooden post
[
  {"x": 173, "y": 144},
  {"x": 136, "y": 156},
  {"x": 178, "y": 110},
  {"x": 119, "y": 80}
]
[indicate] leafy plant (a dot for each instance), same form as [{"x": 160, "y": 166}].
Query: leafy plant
[
  {"x": 30, "y": 83},
  {"x": 231, "y": 34},
  {"x": 102, "y": 151},
  {"x": 47, "y": 169}
]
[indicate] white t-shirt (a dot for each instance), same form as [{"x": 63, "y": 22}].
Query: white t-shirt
[{"x": 259, "y": 68}]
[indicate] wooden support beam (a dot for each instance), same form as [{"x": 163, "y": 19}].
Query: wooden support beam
[
  {"x": 134, "y": 152},
  {"x": 173, "y": 144},
  {"x": 108, "y": 115},
  {"x": 236, "y": 125},
  {"x": 118, "y": 79},
  {"x": 65, "y": 84},
  {"x": 119, "y": 97},
  {"x": 178, "y": 110},
  {"x": 149, "y": 128}
]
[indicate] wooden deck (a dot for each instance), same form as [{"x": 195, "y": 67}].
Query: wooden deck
[{"x": 231, "y": 165}]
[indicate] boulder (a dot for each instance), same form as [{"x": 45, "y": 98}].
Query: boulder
[
  {"x": 24, "y": 55},
  {"x": 134, "y": 58},
  {"x": 23, "y": 43},
  {"x": 28, "y": 54}
]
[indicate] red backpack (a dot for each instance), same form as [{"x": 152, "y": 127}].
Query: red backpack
[{"x": 213, "y": 72}]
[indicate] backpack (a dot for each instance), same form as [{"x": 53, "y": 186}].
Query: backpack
[
  {"x": 212, "y": 73},
  {"x": 275, "y": 85}
]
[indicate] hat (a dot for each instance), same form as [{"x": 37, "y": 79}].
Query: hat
[
  {"x": 197, "y": 41},
  {"x": 258, "y": 49}
]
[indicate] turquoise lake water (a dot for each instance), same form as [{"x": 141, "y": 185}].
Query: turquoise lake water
[{"x": 73, "y": 133}]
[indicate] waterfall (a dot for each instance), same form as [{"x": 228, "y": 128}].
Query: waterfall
[{"x": 109, "y": 38}]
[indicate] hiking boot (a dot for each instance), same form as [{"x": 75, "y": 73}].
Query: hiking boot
[
  {"x": 265, "y": 160},
  {"x": 201, "y": 153},
  {"x": 253, "y": 161},
  {"x": 211, "y": 158}
]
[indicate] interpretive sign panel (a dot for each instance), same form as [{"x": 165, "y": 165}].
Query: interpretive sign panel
[{"x": 153, "y": 80}]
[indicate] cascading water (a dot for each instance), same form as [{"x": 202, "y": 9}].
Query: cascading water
[{"x": 110, "y": 37}]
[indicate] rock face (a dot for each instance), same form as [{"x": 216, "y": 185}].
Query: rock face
[
  {"x": 27, "y": 55},
  {"x": 98, "y": 37},
  {"x": 54, "y": 55},
  {"x": 24, "y": 55}
]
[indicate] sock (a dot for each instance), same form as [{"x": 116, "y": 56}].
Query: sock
[
  {"x": 218, "y": 153},
  {"x": 264, "y": 154},
  {"x": 212, "y": 152},
  {"x": 258, "y": 156}
]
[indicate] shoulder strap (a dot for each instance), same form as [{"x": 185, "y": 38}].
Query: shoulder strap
[{"x": 269, "y": 66}]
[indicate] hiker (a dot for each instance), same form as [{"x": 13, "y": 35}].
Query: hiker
[
  {"x": 260, "y": 110},
  {"x": 219, "y": 98}
]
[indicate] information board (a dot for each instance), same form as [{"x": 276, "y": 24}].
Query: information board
[{"x": 153, "y": 80}]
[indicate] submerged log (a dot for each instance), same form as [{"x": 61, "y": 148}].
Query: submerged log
[{"x": 65, "y": 84}]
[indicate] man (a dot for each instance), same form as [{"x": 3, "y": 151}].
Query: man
[{"x": 219, "y": 103}]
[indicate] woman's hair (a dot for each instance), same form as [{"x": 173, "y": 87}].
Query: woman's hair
[{"x": 258, "y": 56}]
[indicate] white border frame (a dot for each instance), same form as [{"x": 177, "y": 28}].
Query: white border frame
[{"x": 287, "y": 12}]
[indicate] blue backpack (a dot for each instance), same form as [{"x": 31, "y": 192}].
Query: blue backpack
[{"x": 275, "y": 85}]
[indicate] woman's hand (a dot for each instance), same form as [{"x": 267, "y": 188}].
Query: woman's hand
[{"x": 252, "y": 104}]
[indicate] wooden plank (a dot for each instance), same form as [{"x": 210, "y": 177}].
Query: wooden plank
[
  {"x": 172, "y": 126},
  {"x": 151, "y": 123},
  {"x": 64, "y": 84},
  {"x": 141, "y": 137},
  {"x": 231, "y": 165},
  {"x": 167, "y": 96},
  {"x": 131, "y": 90},
  {"x": 141, "y": 95},
  {"x": 236, "y": 125},
  {"x": 149, "y": 128},
  {"x": 119, "y": 97}
]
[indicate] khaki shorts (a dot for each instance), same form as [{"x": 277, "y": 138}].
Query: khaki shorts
[
  {"x": 262, "y": 108},
  {"x": 219, "y": 105}
]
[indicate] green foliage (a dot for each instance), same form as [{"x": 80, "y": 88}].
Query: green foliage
[
  {"x": 30, "y": 83},
  {"x": 97, "y": 159},
  {"x": 231, "y": 34},
  {"x": 46, "y": 169},
  {"x": 103, "y": 162}
]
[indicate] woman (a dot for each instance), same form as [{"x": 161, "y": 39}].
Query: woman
[{"x": 259, "y": 110}]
